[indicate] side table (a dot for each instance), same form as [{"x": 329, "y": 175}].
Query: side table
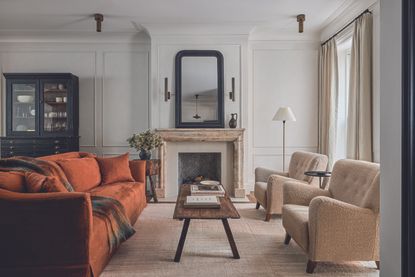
[
  {"x": 152, "y": 170},
  {"x": 319, "y": 174}
]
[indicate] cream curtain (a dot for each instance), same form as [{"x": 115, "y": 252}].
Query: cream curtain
[
  {"x": 359, "y": 117},
  {"x": 328, "y": 91}
]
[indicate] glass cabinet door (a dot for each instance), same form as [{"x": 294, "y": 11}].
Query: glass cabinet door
[
  {"x": 55, "y": 106},
  {"x": 23, "y": 98}
]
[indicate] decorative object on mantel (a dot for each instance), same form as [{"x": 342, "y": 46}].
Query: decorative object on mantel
[
  {"x": 284, "y": 114},
  {"x": 300, "y": 20},
  {"x": 234, "y": 120},
  {"x": 99, "y": 18},
  {"x": 145, "y": 142}
]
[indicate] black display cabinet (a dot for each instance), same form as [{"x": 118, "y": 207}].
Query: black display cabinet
[{"x": 42, "y": 114}]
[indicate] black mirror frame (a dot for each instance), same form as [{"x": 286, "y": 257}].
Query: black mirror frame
[{"x": 220, "y": 123}]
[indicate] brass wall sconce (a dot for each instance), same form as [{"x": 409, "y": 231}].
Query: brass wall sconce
[
  {"x": 99, "y": 18},
  {"x": 232, "y": 92},
  {"x": 300, "y": 20},
  {"x": 166, "y": 90}
]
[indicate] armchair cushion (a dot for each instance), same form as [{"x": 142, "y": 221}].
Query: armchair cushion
[
  {"x": 298, "y": 193},
  {"x": 340, "y": 231},
  {"x": 262, "y": 174},
  {"x": 295, "y": 222}
]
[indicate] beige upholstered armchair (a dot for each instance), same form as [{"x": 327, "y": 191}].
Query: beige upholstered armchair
[
  {"x": 268, "y": 183},
  {"x": 338, "y": 224}
]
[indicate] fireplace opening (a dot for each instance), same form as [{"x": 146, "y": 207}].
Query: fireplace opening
[{"x": 194, "y": 167}]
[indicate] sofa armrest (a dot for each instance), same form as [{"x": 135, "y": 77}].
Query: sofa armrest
[
  {"x": 340, "y": 231},
  {"x": 298, "y": 193},
  {"x": 274, "y": 192},
  {"x": 138, "y": 170},
  {"x": 262, "y": 174},
  {"x": 44, "y": 229}
]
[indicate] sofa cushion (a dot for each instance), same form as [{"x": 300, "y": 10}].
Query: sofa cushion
[
  {"x": 115, "y": 169},
  {"x": 131, "y": 195},
  {"x": 12, "y": 181},
  {"x": 36, "y": 182},
  {"x": 295, "y": 222},
  {"x": 83, "y": 174}
]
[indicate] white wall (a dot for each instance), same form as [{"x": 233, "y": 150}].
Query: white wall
[
  {"x": 390, "y": 135},
  {"x": 113, "y": 82},
  {"x": 282, "y": 73}
]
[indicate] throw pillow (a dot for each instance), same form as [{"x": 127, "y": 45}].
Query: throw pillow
[
  {"x": 12, "y": 181},
  {"x": 36, "y": 182},
  {"x": 115, "y": 169},
  {"x": 83, "y": 174}
]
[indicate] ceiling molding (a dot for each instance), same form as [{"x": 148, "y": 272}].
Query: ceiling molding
[{"x": 343, "y": 15}]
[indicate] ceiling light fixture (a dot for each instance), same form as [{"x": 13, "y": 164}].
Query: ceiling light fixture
[
  {"x": 99, "y": 18},
  {"x": 300, "y": 20}
]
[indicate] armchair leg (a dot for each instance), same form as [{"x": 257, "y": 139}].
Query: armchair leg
[
  {"x": 287, "y": 239},
  {"x": 311, "y": 265},
  {"x": 268, "y": 217},
  {"x": 257, "y": 205},
  {"x": 377, "y": 264}
]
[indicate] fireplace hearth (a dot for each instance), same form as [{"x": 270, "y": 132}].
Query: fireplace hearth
[{"x": 194, "y": 167}]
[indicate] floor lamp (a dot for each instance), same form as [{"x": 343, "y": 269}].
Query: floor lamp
[{"x": 284, "y": 114}]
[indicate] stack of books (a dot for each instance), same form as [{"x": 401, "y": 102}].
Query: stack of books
[
  {"x": 205, "y": 195},
  {"x": 200, "y": 202},
  {"x": 207, "y": 190}
]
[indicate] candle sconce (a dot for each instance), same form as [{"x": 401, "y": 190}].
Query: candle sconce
[
  {"x": 232, "y": 92},
  {"x": 167, "y": 93}
]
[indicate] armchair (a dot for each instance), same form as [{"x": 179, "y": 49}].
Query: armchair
[
  {"x": 269, "y": 183},
  {"x": 338, "y": 224}
]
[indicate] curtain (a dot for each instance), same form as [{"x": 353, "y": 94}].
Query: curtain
[
  {"x": 328, "y": 91},
  {"x": 359, "y": 117}
]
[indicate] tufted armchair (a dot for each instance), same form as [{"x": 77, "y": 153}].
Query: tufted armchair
[
  {"x": 338, "y": 224},
  {"x": 268, "y": 183}
]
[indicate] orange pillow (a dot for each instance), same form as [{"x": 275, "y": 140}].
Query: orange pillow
[
  {"x": 115, "y": 169},
  {"x": 12, "y": 181},
  {"x": 83, "y": 174},
  {"x": 36, "y": 182}
]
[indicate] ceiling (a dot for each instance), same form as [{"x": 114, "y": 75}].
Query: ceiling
[{"x": 132, "y": 15}]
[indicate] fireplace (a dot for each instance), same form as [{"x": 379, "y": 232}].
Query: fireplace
[{"x": 193, "y": 167}]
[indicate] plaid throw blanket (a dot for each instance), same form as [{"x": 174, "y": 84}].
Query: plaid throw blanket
[{"x": 118, "y": 226}]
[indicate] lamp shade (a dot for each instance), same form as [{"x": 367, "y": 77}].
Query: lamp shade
[{"x": 284, "y": 114}]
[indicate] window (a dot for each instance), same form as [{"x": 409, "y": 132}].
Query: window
[{"x": 344, "y": 57}]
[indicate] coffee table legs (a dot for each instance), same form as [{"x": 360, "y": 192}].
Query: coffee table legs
[
  {"x": 230, "y": 238},
  {"x": 182, "y": 240},
  {"x": 184, "y": 234}
]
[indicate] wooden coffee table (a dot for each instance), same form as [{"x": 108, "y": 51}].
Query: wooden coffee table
[{"x": 226, "y": 210}]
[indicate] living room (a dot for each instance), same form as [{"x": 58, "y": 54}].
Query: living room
[{"x": 268, "y": 98}]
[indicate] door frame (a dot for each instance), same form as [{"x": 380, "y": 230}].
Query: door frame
[{"x": 408, "y": 138}]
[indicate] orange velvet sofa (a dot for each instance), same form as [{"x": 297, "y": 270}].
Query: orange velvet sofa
[{"x": 56, "y": 234}]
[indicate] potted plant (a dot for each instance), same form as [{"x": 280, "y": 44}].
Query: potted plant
[{"x": 145, "y": 142}]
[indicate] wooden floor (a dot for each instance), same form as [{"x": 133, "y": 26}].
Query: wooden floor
[{"x": 151, "y": 250}]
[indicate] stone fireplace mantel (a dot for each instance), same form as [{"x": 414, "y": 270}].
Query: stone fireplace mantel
[{"x": 234, "y": 136}]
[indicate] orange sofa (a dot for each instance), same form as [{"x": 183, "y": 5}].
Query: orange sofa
[{"x": 56, "y": 234}]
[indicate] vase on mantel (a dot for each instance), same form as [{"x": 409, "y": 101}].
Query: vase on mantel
[
  {"x": 144, "y": 154},
  {"x": 234, "y": 120}
]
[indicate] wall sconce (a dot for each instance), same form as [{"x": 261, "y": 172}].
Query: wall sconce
[
  {"x": 300, "y": 20},
  {"x": 166, "y": 90},
  {"x": 232, "y": 93},
  {"x": 99, "y": 18}
]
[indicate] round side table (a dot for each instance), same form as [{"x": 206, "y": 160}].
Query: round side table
[{"x": 319, "y": 174}]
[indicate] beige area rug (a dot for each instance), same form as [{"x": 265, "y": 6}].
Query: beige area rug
[{"x": 151, "y": 250}]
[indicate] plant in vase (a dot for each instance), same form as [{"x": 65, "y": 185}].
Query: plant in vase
[{"x": 145, "y": 142}]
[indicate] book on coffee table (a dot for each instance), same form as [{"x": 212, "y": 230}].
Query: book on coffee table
[
  {"x": 197, "y": 202},
  {"x": 207, "y": 189}
]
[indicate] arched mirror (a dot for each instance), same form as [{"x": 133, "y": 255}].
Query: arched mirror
[{"x": 199, "y": 89}]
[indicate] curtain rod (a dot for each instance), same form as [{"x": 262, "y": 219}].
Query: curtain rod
[{"x": 348, "y": 24}]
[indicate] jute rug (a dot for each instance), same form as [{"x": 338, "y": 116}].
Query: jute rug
[{"x": 151, "y": 250}]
